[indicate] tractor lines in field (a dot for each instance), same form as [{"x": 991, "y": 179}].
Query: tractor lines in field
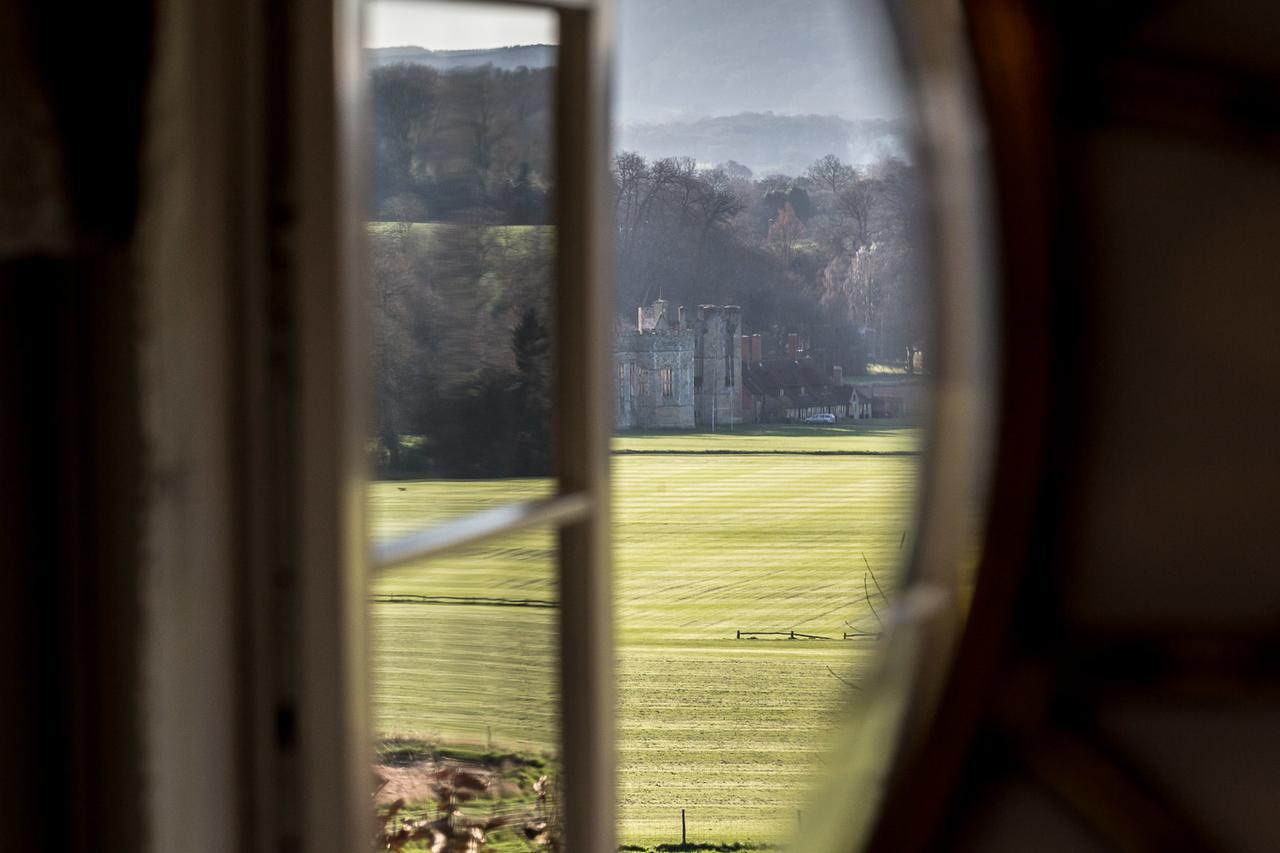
[{"x": 705, "y": 544}]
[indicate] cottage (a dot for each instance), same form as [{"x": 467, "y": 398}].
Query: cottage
[
  {"x": 791, "y": 388},
  {"x": 894, "y": 400}
]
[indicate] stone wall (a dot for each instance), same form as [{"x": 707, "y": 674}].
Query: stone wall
[
  {"x": 641, "y": 360},
  {"x": 679, "y": 372},
  {"x": 717, "y": 367}
]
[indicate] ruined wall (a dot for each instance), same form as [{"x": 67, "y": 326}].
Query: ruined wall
[
  {"x": 717, "y": 365},
  {"x": 702, "y": 354},
  {"x": 641, "y": 359}
]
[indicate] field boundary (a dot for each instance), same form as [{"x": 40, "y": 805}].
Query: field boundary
[
  {"x": 787, "y": 635},
  {"x": 406, "y": 598}
]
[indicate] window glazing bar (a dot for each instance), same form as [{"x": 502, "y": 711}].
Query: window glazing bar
[
  {"x": 474, "y": 529},
  {"x": 584, "y": 412}
]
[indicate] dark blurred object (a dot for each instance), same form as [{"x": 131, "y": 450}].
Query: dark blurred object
[
  {"x": 72, "y": 89},
  {"x": 1117, "y": 687}
]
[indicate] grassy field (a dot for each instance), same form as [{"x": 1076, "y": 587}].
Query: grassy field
[
  {"x": 767, "y": 535},
  {"x": 422, "y": 233},
  {"x": 878, "y": 437}
]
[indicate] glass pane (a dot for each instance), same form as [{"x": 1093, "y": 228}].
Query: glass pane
[
  {"x": 461, "y": 245},
  {"x": 772, "y": 367},
  {"x": 465, "y": 685},
  {"x": 462, "y": 252}
]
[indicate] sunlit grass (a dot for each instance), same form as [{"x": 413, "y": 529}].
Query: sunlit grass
[
  {"x": 878, "y": 436},
  {"x": 706, "y": 544}
]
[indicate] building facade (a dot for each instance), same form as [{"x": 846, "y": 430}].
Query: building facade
[
  {"x": 782, "y": 390},
  {"x": 676, "y": 371}
]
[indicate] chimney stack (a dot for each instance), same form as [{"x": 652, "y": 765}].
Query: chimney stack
[
  {"x": 757, "y": 348},
  {"x": 746, "y": 348},
  {"x": 681, "y": 316},
  {"x": 793, "y": 345},
  {"x": 837, "y": 375}
]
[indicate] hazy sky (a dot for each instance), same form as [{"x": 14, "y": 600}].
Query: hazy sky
[
  {"x": 694, "y": 57},
  {"x": 456, "y": 26}
]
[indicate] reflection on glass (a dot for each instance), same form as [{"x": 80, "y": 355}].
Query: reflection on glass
[
  {"x": 465, "y": 684},
  {"x": 461, "y": 244},
  {"x": 772, "y": 361}
]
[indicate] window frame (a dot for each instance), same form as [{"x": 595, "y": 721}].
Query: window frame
[
  {"x": 301, "y": 352},
  {"x": 583, "y": 394},
  {"x": 289, "y": 109}
]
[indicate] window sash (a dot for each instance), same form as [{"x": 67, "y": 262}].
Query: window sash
[{"x": 583, "y": 406}]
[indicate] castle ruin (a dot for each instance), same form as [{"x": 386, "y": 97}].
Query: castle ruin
[{"x": 680, "y": 372}]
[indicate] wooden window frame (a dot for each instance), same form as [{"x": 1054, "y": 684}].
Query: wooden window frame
[
  {"x": 293, "y": 111},
  {"x": 265, "y": 234}
]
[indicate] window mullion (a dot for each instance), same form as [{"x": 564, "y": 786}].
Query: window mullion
[{"x": 584, "y": 393}]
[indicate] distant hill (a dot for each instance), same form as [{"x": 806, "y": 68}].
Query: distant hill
[
  {"x": 523, "y": 55},
  {"x": 766, "y": 143},
  {"x": 772, "y": 84},
  {"x": 680, "y": 58}
]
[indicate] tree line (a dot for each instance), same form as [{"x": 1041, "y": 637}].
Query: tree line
[
  {"x": 833, "y": 253},
  {"x": 463, "y": 263},
  {"x": 462, "y": 143},
  {"x": 461, "y": 350}
]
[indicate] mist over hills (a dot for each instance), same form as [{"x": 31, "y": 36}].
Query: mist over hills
[
  {"x": 771, "y": 84},
  {"x": 679, "y": 58},
  {"x": 507, "y": 58},
  {"x": 765, "y": 142}
]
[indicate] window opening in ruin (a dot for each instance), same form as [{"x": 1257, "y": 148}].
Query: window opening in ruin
[{"x": 668, "y": 379}]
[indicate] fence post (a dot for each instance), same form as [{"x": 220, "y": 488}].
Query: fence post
[
  {"x": 684, "y": 836},
  {"x": 739, "y": 635},
  {"x": 793, "y": 635}
]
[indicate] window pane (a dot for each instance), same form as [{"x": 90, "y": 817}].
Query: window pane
[
  {"x": 465, "y": 680},
  {"x": 461, "y": 281},
  {"x": 773, "y": 371},
  {"x": 462, "y": 250}
]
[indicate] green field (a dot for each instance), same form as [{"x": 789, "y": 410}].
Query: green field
[
  {"x": 878, "y": 437},
  {"x": 767, "y": 535}
]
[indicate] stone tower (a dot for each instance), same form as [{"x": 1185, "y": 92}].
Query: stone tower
[
  {"x": 717, "y": 366},
  {"x": 655, "y": 370}
]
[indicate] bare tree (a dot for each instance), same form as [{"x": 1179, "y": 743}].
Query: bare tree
[
  {"x": 856, "y": 201},
  {"x": 830, "y": 173},
  {"x": 716, "y": 203},
  {"x": 783, "y": 234}
]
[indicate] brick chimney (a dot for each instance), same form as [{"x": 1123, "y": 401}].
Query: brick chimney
[
  {"x": 746, "y": 348},
  {"x": 837, "y": 375},
  {"x": 681, "y": 315},
  {"x": 793, "y": 345},
  {"x": 757, "y": 348}
]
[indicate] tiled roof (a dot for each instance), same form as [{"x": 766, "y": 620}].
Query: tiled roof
[{"x": 766, "y": 378}]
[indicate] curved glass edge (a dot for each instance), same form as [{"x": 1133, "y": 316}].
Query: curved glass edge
[{"x": 897, "y": 705}]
